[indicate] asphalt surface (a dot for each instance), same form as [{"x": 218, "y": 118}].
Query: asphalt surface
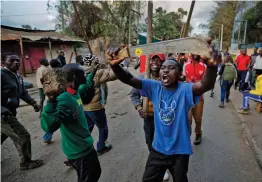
[{"x": 224, "y": 154}]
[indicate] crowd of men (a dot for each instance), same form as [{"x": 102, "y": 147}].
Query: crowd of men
[{"x": 175, "y": 88}]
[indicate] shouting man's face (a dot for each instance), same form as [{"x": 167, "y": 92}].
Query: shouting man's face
[
  {"x": 12, "y": 62},
  {"x": 169, "y": 73}
]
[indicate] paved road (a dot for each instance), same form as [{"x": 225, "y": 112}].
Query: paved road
[{"x": 224, "y": 154}]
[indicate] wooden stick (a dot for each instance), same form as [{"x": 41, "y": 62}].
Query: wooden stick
[
  {"x": 71, "y": 56},
  {"x": 50, "y": 48},
  {"x": 22, "y": 55}
]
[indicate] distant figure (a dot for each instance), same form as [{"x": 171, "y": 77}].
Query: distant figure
[
  {"x": 61, "y": 57},
  {"x": 79, "y": 60},
  {"x": 55, "y": 63},
  {"x": 242, "y": 62}
]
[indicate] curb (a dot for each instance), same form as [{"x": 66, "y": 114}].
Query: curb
[{"x": 256, "y": 150}]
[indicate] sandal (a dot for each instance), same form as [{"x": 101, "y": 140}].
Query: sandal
[{"x": 31, "y": 164}]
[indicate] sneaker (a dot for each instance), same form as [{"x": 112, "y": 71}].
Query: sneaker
[
  {"x": 228, "y": 100},
  {"x": 198, "y": 140},
  {"x": 166, "y": 177},
  {"x": 107, "y": 148},
  {"x": 221, "y": 105},
  {"x": 243, "y": 111}
]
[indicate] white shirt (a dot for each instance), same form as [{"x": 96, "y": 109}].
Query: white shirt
[
  {"x": 39, "y": 74},
  {"x": 258, "y": 63}
]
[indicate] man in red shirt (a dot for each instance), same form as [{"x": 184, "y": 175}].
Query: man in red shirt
[
  {"x": 194, "y": 70},
  {"x": 242, "y": 62}
]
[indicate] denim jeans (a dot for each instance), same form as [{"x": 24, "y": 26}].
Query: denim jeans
[
  {"x": 225, "y": 89},
  {"x": 241, "y": 76},
  {"x": 99, "y": 119}
]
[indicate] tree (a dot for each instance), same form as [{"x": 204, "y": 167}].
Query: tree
[
  {"x": 100, "y": 19},
  {"x": 28, "y": 27},
  {"x": 223, "y": 13},
  {"x": 254, "y": 25}
]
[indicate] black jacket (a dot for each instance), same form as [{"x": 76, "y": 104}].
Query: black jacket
[
  {"x": 62, "y": 59},
  {"x": 12, "y": 90}
]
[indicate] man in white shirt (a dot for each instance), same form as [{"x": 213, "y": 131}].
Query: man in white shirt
[
  {"x": 258, "y": 64},
  {"x": 39, "y": 73}
]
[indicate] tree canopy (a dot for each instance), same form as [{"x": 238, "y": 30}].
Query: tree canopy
[{"x": 167, "y": 25}]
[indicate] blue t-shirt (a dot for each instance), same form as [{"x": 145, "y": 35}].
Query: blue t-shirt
[{"x": 171, "y": 107}]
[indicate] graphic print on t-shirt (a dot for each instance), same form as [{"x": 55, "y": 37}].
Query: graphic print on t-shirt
[{"x": 167, "y": 114}]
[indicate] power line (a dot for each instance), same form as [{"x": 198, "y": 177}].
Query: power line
[{"x": 26, "y": 15}]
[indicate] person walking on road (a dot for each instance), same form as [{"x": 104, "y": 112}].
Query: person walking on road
[
  {"x": 65, "y": 111},
  {"x": 251, "y": 67},
  {"x": 12, "y": 90},
  {"x": 156, "y": 61},
  {"x": 172, "y": 101},
  {"x": 228, "y": 74},
  {"x": 94, "y": 110},
  {"x": 258, "y": 64},
  {"x": 242, "y": 62},
  {"x": 39, "y": 73},
  {"x": 194, "y": 71}
]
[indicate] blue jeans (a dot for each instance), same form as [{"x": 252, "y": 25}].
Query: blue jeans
[
  {"x": 241, "y": 76},
  {"x": 98, "y": 118},
  {"x": 47, "y": 137},
  {"x": 247, "y": 96},
  {"x": 225, "y": 89}
]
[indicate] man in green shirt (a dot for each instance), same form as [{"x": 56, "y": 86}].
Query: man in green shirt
[{"x": 66, "y": 112}]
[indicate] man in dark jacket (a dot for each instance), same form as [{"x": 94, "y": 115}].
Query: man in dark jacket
[
  {"x": 61, "y": 57},
  {"x": 12, "y": 90}
]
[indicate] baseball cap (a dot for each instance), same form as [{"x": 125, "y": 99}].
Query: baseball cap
[{"x": 160, "y": 55}]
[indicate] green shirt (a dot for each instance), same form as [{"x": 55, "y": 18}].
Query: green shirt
[{"x": 67, "y": 113}]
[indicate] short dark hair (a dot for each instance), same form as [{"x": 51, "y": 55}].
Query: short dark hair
[
  {"x": 55, "y": 63},
  {"x": 42, "y": 61},
  {"x": 170, "y": 54},
  {"x": 179, "y": 65},
  {"x": 4, "y": 56},
  {"x": 79, "y": 58},
  {"x": 73, "y": 70}
]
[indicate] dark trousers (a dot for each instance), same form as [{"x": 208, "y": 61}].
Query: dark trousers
[
  {"x": 99, "y": 119},
  {"x": 241, "y": 76},
  {"x": 149, "y": 130},
  {"x": 88, "y": 167},
  {"x": 158, "y": 163},
  {"x": 225, "y": 89},
  {"x": 10, "y": 127}
]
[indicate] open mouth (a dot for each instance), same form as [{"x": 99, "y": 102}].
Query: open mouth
[{"x": 165, "y": 78}]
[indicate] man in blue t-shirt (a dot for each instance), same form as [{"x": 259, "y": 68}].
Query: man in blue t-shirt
[{"x": 171, "y": 100}]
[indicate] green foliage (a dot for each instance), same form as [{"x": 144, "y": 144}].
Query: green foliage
[
  {"x": 166, "y": 25},
  {"x": 254, "y": 25}
]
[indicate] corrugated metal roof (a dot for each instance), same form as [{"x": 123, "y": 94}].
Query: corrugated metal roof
[{"x": 11, "y": 33}]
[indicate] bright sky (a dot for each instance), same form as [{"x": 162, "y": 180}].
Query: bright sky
[{"x": 47, "y": 19}]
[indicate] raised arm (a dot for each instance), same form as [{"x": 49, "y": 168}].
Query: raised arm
[
  {"x": 209, "y": 78},
  {"x": 123, "y": 75}
]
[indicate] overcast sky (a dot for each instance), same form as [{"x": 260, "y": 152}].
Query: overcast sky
[{"x": 47, "y": 19}]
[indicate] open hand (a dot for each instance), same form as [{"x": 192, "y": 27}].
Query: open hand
[
  {"x": 112, "y": 56},
  {"x": 214, "y": 58}
]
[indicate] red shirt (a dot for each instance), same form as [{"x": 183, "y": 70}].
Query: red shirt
[
  {"x": 194, "y": 71},
  {"x": 242, "y": 62}
]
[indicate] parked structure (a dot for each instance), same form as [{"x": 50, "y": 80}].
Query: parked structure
[{"x": 31, "y": 45}]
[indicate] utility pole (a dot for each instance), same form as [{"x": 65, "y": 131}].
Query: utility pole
[
  {"x": 81, "y": 25},
  {"x": 62, "y": 15},
  {"x": 188, "y": 19},
  {"x": 245, "y": 33},
  {"x": 221, "y": 41},
  {"x": 148, "y": 41},
  {"x": 129, "y": 26}
]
